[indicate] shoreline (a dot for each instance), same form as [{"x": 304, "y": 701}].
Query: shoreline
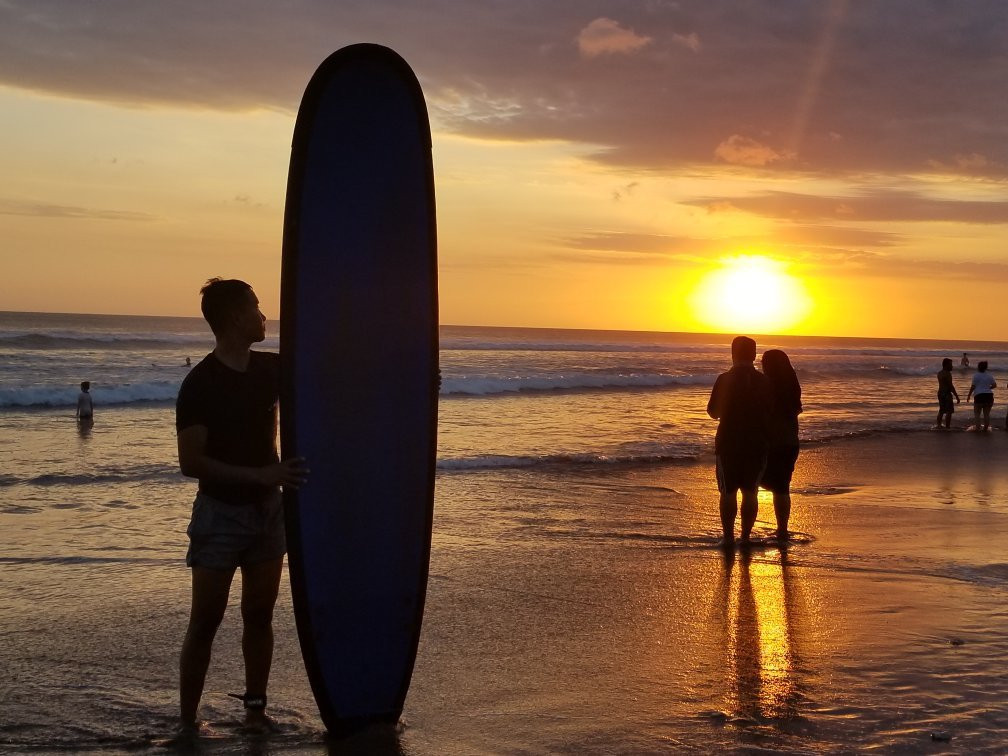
[{"x": 586, "y": 612}]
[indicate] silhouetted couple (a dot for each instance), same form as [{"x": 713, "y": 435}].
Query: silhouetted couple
[{"x": 757, "y": 436}]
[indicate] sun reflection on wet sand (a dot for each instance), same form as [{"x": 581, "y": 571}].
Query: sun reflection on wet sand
[{"x": 759, "y": 634}]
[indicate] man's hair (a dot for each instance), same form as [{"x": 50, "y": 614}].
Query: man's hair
[
  {"x": 221, "y": 297},
  {"x": 946, "y": 364},
  {"x": 85, "y": 385},
  {"x": 743, "y": 348},
  {"x": 982, "y": 366}
]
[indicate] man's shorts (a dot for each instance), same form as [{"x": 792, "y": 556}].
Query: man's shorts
[
  {"x": 983, "y": 400},
  {"x": 226, "y": 536},
  {"x": 945, "y": 403},
  {"x": 740, "y": 470},
  {"x": 779, "y": 468}
]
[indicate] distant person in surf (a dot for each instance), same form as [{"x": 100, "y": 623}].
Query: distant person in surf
[
  {"x": 782, "y": 453},
  {"x": 946, "y": 390},
  {"x": 982, "y": 391},
  {"x": 85, "y": 406},
  {"x": 226, "y": 420},
  {"x": 964, "y": 362},
  {"x": 740, "y": 401}
]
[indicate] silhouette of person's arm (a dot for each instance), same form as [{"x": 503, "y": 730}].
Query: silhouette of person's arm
[
  {"x": 715, "y": 406},
  {"x": 194, "y": 462}
]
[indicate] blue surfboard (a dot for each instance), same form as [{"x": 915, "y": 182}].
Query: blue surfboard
[{"x": 359, "y": 361}]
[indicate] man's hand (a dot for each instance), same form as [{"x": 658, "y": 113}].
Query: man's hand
[{"x": 290, "y": 473}]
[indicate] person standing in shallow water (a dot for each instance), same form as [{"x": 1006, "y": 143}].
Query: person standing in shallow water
[
  {"x": 740, "y": 401},
  {"x": 226, "y": 420},
  {"x": 782, "y": 452},
  {"x": 946, "y": 390},
  {"x": 85, "y": 406},
  {"x": 982, "y": 391}
]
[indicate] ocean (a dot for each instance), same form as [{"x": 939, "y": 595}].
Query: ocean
[
  {"x": 574, "y": 577},
  {"x": 512, "y": 397}
]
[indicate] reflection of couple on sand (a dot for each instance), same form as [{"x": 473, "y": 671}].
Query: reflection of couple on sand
[
  {"x": 758, "y": 626},
  {"x": 757, "y": 436}
]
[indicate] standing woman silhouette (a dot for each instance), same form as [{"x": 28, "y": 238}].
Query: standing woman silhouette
[{"x": 783, "y": 452}]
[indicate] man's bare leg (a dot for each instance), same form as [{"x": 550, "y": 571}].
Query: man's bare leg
[
  {"x": 260, "y": 586},
  {"x": 750, "y": 507},
  {"x": 782, "y": 511},
  {"x": 728, "y": 508},
  {"x": 210, "y": 590}
]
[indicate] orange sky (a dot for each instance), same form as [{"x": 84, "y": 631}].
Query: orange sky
[{"x": 597, "y": 166}]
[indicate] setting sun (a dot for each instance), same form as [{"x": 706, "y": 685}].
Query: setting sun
[{"x": 750, "y": 293}]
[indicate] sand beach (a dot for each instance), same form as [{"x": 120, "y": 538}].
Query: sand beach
[{"x": 593, "y": 615}]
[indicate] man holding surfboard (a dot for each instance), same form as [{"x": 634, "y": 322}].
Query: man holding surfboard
[{"x": 226, "y": 419}]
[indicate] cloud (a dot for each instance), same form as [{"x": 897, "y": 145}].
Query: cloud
[
  {"x": 878, "y": 206},
  {"x": 740, "y": 150},
  {"x": 832, "y": 262},
  {"x": 825, "y": 251},
  {"x": 49, "y": 210},
  {"x": 905, "y": 86},
  {"x": 625, "y": 191},
  {"x": 690, "y": 41},
  {"x": 637, "y": 243},
  {"x": 806, "y": 242},
  {"x": 820, "y": 236},
  {"x": 603, "y": 36}
]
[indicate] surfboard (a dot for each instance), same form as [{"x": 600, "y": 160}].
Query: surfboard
[{"x": 359, "y": 380}]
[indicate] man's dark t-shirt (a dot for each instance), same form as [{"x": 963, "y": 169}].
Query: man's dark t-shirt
[
  {"x": 741, "y": 400},
  {"x": 239, "y": 411}
]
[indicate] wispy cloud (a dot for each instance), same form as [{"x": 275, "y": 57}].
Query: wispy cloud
[
  {"x": 49, "y": 210},
  {"x": 870, "y": 207},
  {"x": 603, "y": 36},
  {"x": 740, "y": 150}
]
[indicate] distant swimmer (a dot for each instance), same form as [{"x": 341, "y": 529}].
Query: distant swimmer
[
  {"x": 740, "y": 401},
  {"x": 964, "y": 362},
  {"x": 982, "y": 391},
  {"x": 946, "y": 390},
  {"x": 783, "y": 450},
  {"x": 188, "y": 362},
  {"x": 85, "y": 407}
]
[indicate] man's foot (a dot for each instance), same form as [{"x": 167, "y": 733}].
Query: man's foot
[
  {"x": 781, "y": 535},
  {"x": 259, "y": 723},
  {"x": 186, "y": 738},
  {"x": 727, "y": 543}
]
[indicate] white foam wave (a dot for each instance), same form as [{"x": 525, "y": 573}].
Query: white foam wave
[
  {"x": 50, "y": 396},
  {"x": 466, "y": 345},
  {"x": 504, "y": 461},
  {"x": 491, "y": 385}
]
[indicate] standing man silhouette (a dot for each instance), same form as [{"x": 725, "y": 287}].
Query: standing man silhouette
[
  {"x": 740, "y": 400},
  {"x": 226, "y": 419}
]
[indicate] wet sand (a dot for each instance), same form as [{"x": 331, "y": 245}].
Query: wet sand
[{"x": 588, "y": 614}]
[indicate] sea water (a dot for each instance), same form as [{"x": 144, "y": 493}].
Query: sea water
[{"x": 573, "y": 473}]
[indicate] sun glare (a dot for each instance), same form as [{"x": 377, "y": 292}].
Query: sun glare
[{"x": 750, "y": 293}]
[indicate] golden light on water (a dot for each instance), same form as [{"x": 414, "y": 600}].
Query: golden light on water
[
  {"x": 750, "y": 293},
  {"x": 760, "y": 643}
]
